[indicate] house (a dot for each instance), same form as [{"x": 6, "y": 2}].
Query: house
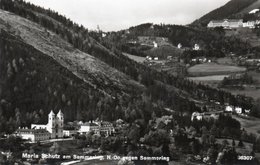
[
  {"x": 253, "y": 11},
  {"x": 149, "y": 58},
  {"x": 179, "y": 46},
  {"x": 98, "y": 127},
  {"x": 155, "y": 45},
  {"x": 69, "y": 133},
  {"x": 196, "y": 115},
  {"x": 33, "y": 135},
  {"x": 238, "y": 110},
  {"x": 196, "y": 47},
  {"x": 247, "y": 111},
  {"x": 106, "y": 128},
  {"x": 249, "y": 24},
  {"x": 54, "y": 125},
  {"x": 206, "y": 115},
  {"x": 226, "y": 23},
  {"x": 229, "y": 108},
  {"x": 89, "y": 127}
]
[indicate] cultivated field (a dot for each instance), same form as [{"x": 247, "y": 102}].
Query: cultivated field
[
  {"x": 208, "y": 69},
  {"x": 135, "y": 58}
]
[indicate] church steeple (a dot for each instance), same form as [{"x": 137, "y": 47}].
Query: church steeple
[{"x": 60, "y": 118}]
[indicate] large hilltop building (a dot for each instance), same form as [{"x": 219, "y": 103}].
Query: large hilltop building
[
  {"x": 232, "y": 23},
  {"x": 226, "y": 23}
]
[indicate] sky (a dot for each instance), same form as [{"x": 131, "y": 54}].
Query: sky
[{"x": 113, "y": 15}]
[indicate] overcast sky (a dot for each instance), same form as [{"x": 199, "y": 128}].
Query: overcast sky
[{"x": 113, "y": 15}]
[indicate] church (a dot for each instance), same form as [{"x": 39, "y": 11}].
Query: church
[{"x": 54, "y": 126}]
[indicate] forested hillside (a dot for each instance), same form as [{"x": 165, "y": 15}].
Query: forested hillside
[
  {"x": 32, "y": 84},
  {"x": 80, "y": 100},
  {"x": 212, "y": 41}
]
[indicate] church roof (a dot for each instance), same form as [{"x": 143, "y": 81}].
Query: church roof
[
  {"x": 90, "y": 124},
  {"x": 51, "y": 113},
  {"x": 60, "y": 113},
  {"x": 33, "y": 131}
]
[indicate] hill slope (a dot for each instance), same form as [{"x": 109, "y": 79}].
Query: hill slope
[
  {"x": 251, "y": 7},
  {"x": 227, "y": 11},
  {"x": 84, "y": 66}
]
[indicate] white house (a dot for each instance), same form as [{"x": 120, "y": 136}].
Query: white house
[
  {"x": 106, "y": 128},
  {"x": 229, "y": 108},
  {"x": 249, "y": 24},
  {"x": 54, "y": 125},
  {"x": 253, "y": 11},
  {"x": 247, "y": 111},
  {"x": 88, "y": 127},
  {"x": 98, "y": 127},
  {"x": 179, "y": 46},
  {"x": 238, "y": 110},
  {"x": 196, "y": 47},
  {"x": 155, "y": 45},
  {"x": 69, "y": 133},
  {"x": 196, "y": 115},
  {"x": 33, "y": 135}
]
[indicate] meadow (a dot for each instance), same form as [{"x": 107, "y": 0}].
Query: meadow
[{"x": 210, "y": 69}]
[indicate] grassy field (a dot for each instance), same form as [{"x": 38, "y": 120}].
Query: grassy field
[
  {"x": 251, "y": 125},
  {"x": 135, "y": 58},
  {"x": 217, "y": 78},
  {"x": 164, "y": 51},
  {"x": 208, "y": 69},
  {"x": 253, "y": 91},
  {"x": 212, "y": 81}
]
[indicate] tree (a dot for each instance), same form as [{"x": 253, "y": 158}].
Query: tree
[
  {"x": 240, "y": 143},
  {"x": 233, "y": 143},
  {"x": 55, "y": 148},
  {"x": 196, "y": 147}
]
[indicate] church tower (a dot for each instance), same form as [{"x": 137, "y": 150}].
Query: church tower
[
  {"x": 51, "y": 124},
  {"x": 59, "y": 124}
]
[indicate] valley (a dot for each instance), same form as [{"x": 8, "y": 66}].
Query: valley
[{"x": 171, "y": 94}]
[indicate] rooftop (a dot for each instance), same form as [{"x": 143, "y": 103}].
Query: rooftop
[{"x": 34, "y": 131}]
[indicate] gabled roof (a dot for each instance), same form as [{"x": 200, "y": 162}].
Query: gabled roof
[
  {"x": 217, "y": 21},
  {"x": 226, "y": 20},
  {"x": 34, "y": 131},
  {"x": 90, "y": 124}
]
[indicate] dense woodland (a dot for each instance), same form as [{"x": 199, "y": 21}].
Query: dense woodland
[
  {"x": 31, "y": 84},
  {"x": 213, "y": 41},
  {"x": 156, "y": 82}
]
